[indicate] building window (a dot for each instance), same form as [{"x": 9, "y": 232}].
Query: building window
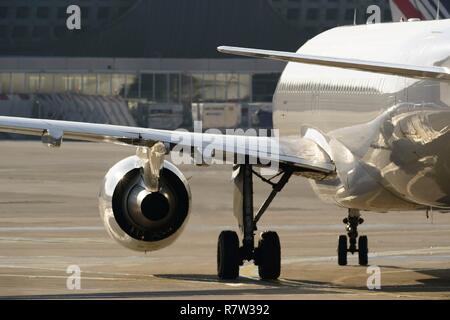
[
  {"x": 5, "y": 81},
  {"x": 122, "y": 10},
  {"x": 23, "y": 12},
  {"x": 41, "y": 32},
  {"x": 264, "y": 86},
  {"x": 46, "y": 83},
  {"x": 349, "y": 15},
  {"x": 132, "y": 86},
  {"x": 223, "y": 90},
  {"x": 20, "y": 32},
  {"x": 174, "y": 85},
  {"x": 85, "y": 12},
  {"x": 148, "y": 87},
  {"x": 196, "y": 87},
  {"x": 59, "y": 31},
  {"x": 293, "y": 13},
  {"x": 3, "y": 12},
  {"x": 3, "y": 31},
  {"x": 209, "y": 87},
  {"x": 59, "y": 83},
  {"x": 118, "y": 84},
  {"x": 90, "y": 84},
  {"x": 313, "y": 14},
  {"x": 103, "y": 13},
  {"x": 62, "y": 12},
  {"x": 332, "y": 14},
  {"x": 42, "y": 12},
  {"x": 161, "y": 87},
  {"x": 104, "y": 84},
  {"x": 74, "y": 83},
  {"x": 245, "y": 87},
  {"x": 18, "y": 83},
  {"x": 32, "y": 83}
]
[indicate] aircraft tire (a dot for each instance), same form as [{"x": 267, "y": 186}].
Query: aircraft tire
[
  {"x": 342, "y": 250},
  {"x": 269, "y": 256},
  {"x": 363, "y": 251},
  {"x": 228, "y": 258}
]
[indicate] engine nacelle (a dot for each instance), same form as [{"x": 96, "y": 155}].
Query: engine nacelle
[{"x": 137, "y": 218}]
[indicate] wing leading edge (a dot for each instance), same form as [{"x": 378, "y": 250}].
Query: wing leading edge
[{"x": 411, "y": 71}]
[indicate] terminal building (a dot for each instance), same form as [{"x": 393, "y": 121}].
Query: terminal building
[
  {"x": 314, "y": 16},
  {"x": 149, "y": 62}
]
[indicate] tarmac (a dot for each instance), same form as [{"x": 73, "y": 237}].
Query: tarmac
[{"x": 49, "y": 221}]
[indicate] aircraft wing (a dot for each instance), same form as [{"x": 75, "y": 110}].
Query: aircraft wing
[
  {"x": 300, "y": 154},
  {"x": 411, "y": 71}
]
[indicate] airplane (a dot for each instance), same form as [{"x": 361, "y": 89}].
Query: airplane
[
  {"x": 420, "y": 9},
  {"x": 363, "y": 113}
]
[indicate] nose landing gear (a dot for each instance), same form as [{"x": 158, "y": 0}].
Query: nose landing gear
[{"x": 347, "y": 243}]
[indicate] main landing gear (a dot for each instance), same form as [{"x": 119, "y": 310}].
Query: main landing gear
[
  {"x": 344, "y": 246},
  {"x": 267, "y": 255}
]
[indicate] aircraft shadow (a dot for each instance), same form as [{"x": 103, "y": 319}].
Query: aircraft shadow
[
  {"x": 437, "y": 281},
  {"x": 264, "y": 288}
]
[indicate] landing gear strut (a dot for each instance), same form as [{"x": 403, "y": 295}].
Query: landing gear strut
[
  {"x": 352, "y": 221},
  {"x": 267, "y": 255}
]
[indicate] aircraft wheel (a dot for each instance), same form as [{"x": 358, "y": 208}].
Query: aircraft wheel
[
  {"x": 228, "y": 258},
  {"x": 342, "y": 251},
  {"x": 269, "y": 256},
  {"x": 363, "y": 251}
]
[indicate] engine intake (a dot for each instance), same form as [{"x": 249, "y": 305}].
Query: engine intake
[{"x": 137, "y": 218}]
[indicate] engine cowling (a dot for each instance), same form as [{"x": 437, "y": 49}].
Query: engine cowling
[{"x": 137, "y": 218}]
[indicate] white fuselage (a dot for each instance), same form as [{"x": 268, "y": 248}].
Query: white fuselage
[{"x": 388, "y": 136}]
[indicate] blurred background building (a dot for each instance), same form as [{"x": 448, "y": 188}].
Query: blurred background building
[
  {"x": 154, "y": 62},
  {"x": 315, "y": 16}
]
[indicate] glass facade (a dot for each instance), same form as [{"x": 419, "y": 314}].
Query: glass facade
[
  {"x": 151, "y": 87},
  {"x": 18, "y": 83}
]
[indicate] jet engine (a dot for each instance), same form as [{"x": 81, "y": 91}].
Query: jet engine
[{"x": 137, "y": 218}]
